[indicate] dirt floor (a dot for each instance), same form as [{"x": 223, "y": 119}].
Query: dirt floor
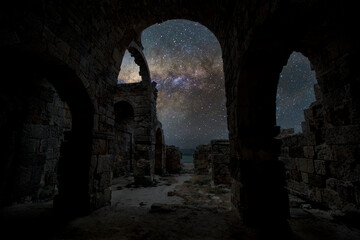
[{"x": 177, "y": 207}]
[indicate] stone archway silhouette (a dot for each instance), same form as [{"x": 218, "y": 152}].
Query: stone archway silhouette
[{"x": 75, "y": 155}]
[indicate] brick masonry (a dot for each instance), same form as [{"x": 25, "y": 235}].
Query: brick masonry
[{"x": 322, "y": 163}]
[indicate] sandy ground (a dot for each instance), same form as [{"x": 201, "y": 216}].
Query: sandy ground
[
  {"x": 132, "y": 196},
  {"x": 177, "y": 207}
]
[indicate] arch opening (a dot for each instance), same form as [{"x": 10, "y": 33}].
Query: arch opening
[
  {"x": 124, "y": 112},
  {"x": 295, "y": 93},
  {"x": 52, "y": 136},
  {"x": 185, "y": 62}
]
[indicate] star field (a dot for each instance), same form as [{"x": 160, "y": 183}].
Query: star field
[
  {"x": 185, "y": 61},
  {"x": 295, "y": 92}
]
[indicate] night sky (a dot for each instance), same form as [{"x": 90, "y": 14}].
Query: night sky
[{"x": 185, "y": 60}]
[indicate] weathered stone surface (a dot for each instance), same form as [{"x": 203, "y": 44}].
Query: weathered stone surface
[
  {"x": 320, "y": 167},
  {"x": 173, "y": 158},
  {"x": 305, "y": 165},
  {"x": 327, "y": 169},
  {"x": 323, "y": 152},
  {"x": 202, "y": 163},
  {"x": 214, "y": 158},
  {"x": 220, "y": 160},
  {"x": 309, "y": 152}
]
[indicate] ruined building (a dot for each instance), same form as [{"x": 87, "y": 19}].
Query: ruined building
[
  {"x": 173, "y": 158},
  {"x": 322, "y": 162},
  {"x": 214, "y": 159},
  {"x": 139, "y": 139},
  {"x": 60, "y": 100}
]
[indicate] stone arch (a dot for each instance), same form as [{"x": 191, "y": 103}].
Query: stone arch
[
  {"x": 136, "y": 50},
  {"x": 160, "y": 154},
  {"x": 75, "y": 153},
  {"x": 254, "y": 126}
]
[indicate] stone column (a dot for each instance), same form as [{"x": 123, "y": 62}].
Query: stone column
[{"x": 258, "y": 185}]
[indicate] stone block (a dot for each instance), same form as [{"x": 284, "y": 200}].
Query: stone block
[
  {"x": 30, "y": 145},
  {"x": 308, "y": 151},
  {"x": 289, "y": 163},
  {"x": 36, "y": 130},
  {"x": 305, "y": 127},
  {"x": 295, "y": 175},
  {"x": 308, "y": 115},
  {"x": 104, "y": 163},
  {"x": 50, "y": 165},
  {"x": 316, "y": 181},
  {"x": 296, "y": 152},
  {"x": 201, "y": 159},
  {"x": 99, "y": 146},
  {"x": 346, "y": 153},
  {"x": 305, "y": 165},
  {"x": 284, "y": 152},
  {"x": 343, "y": 135},
  {"x": 324, "y": 152},
  {"x": 173, "y": 158},
  {"x": 315, "y": 194},
  {"x": 320, "y": 167},
  {"x": 305, "y": 177}
]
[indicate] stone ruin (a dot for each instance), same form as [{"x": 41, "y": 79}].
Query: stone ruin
[
  {"x": 173, "y": 158},
  {"x": 202, "y": 163},
  {"x": 322, "y": 162},
  {"x": 213, "y": 159},
  {"x": 77, "y": 47}
]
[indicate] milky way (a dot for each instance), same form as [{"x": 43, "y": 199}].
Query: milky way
[{"x": 185, "y": 61}]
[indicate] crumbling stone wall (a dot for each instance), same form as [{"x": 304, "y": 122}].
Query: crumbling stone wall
[
  {"x": 47, "y": 119},
  {"x": 214, "y": 159},
  {"x": 202, "y": 163},
  {"x": 220, "y": 160},
  {"x": 322, "y": 163},
  {"x": 142, "y": 97},
  {"x": 160, "y": 151},
  {"x": 124, "y": 139},
  {"x": 173, "y": 158}
]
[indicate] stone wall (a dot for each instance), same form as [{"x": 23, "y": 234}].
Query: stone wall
[
  {"x": 160, "y": 151},
  {"x": 142, "y": 97},
  {"x": 123, "y": 148},
  {"x": 47, "y": 120},
  {"x": 202, "y": 163},
  {"x": 322, "y": 163},
  {"x": 214, "y": 159},
  {"x": 220, "y": 160},
  {"x": 173, "y": 159}
]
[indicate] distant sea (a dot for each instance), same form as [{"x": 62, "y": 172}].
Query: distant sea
[
  {"x": 187, "y": 155},
  {"x": 187, "y": 159}
]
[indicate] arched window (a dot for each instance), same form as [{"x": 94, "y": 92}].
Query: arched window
[{"x": 295, "y": 92}]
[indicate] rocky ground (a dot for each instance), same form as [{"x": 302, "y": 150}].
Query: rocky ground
[{"x": 182, "y": 206}]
